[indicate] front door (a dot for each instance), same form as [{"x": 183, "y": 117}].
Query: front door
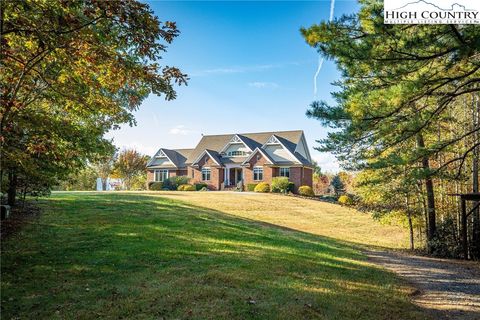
[{"x": 238, "y": 175}]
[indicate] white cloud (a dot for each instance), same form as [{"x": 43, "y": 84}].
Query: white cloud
[
  {"x": 148, "y": 150},
  {"x": 261, "y": 85},
  {"x": 234, "y": 69},
  {"x": 179, "y": 130},
  {"x": 327, "y": 162},
  {"x": 244, "y": 69}
]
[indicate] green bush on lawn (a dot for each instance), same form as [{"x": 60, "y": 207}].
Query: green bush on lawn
[
  {"x": 200, "y": 186},
  {"x": 186, "y": 187},
  {"x": 346, "y": 200},
  {"x": 155, "y": 186},
  {"x": 262, "y": 187},
  {"x": 251, "y": 186},
  {"x": 306, "y": 191},
  {"x": 280, "y": 184}
]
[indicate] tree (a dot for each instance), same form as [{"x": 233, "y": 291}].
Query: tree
[
  {"x": 104, "y": 168},
  {"x": 401, "y": 87},
  {"x": 129, "y": 165},
  {"x": 338, "y": 185},
  {"x": 320, "y": 183},
  {"x": 83, "y": 179},
  {"x": 71, "y": 71},
  {"x": 316, "y": 169}
]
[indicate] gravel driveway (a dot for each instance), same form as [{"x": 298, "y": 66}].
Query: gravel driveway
[{"x": 449, "y": 289}]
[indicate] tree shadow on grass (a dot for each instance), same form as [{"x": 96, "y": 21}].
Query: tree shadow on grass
[{"x": 143, "y": 256}]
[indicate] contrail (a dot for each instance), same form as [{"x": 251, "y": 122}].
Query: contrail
[{"x": 320, "y": 58}]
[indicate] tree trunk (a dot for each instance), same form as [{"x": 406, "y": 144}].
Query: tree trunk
[
  {"x": 12, "y": 188},
  {"x": 410, "y": 224},
  {"x": 424, "y": 207},
  {"x": 431, "y": 221}
]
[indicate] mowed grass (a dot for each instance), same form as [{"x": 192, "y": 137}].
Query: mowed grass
[{"x": 149, "y": 256}]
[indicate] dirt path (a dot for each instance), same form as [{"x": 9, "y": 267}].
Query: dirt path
[{"x": 449, "y": 289}]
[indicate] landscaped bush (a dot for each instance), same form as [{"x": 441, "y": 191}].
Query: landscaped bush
[
  {"x": 173, "y": 183},
  {"x": 251, "y": 186},
  {"x": 168, "y": 185},
  {"x": 346, "y": 200},
  {"x": 189, "y": 187},
  {"x": 280, "y": 184},
  {"x": 200, "y": 186},
  {"x": 306, "y": 191},
  {"x": 262, "y": 187},
  {"x": 186, "y": 187},
  {"x": 291, "y": 187},
  {"x": 155, "y": 186},
  {"x": 204, "y": 189}
]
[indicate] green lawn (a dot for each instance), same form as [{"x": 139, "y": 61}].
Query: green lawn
[{"x": 144, "y": 256}]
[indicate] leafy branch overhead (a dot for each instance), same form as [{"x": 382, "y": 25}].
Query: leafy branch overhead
[
  {"x": 397, "y": 81},
  {"x": 71, "y": 71}
]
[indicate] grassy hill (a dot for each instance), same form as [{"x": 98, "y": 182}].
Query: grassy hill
[{"x": 198, "y": 256}]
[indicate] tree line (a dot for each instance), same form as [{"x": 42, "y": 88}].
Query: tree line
[
  {"x": 127, "y": 165},
  {"x": 406, "y": 117}
]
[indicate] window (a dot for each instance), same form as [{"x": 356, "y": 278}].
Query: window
[
  {"x": 237, "y": 153},
  {"x": 206, "y": 174},
  {"x": 161, "y": 175},
  {"x": 257, "y": 173},
  {"x": 285, "y": 172}
]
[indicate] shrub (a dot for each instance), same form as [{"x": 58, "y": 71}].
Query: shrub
[
  {"x": 306, "y": 191},
  {"x": 139, "y": 182},
  {"x": 156, "y": 186},
  {"x": 180, "y": 180},
  {"x": 346, "y": 200},
  {"x": 173, "y": 183},
  {"x": 291, "y": 187},
  {"x": 280, "y": 184},
  {"x": 251, "y": 186},
  {"x": 186, "y": 187},
  {"x": 445, "y": 244},
  {"x": 204, "y": 189},
  {"x": 200, "y": 186},
  {"x": 168, "y": 185},
  {"x": 262, "y": 187}
]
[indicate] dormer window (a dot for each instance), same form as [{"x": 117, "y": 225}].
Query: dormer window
[{"x": 237, "y": 153}]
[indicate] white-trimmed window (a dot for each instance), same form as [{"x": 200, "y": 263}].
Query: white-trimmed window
[
  {"x": 257, "y": 173},
  {"x": 206, "y": 174},
  {"x": 161, "y": 175},
  {"x": 237, "y": 153},
  {"x": 285, "y": 172}
]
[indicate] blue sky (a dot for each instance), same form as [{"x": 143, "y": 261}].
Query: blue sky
[{"x": 250, "y": 71}]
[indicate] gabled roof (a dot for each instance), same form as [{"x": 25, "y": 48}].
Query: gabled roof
[
  {"x": 236, "y": 138},
  {"x": 254, "y": 153},
  {"x": 253, "y": 140},
  {"x": 212, "y": 154},
  {"x": 176, "y": 156}
]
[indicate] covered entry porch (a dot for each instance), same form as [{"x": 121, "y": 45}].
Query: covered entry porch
[{"x": 233, "y": 176}]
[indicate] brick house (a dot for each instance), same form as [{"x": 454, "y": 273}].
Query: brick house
[{"x": 234, "y": 160}]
